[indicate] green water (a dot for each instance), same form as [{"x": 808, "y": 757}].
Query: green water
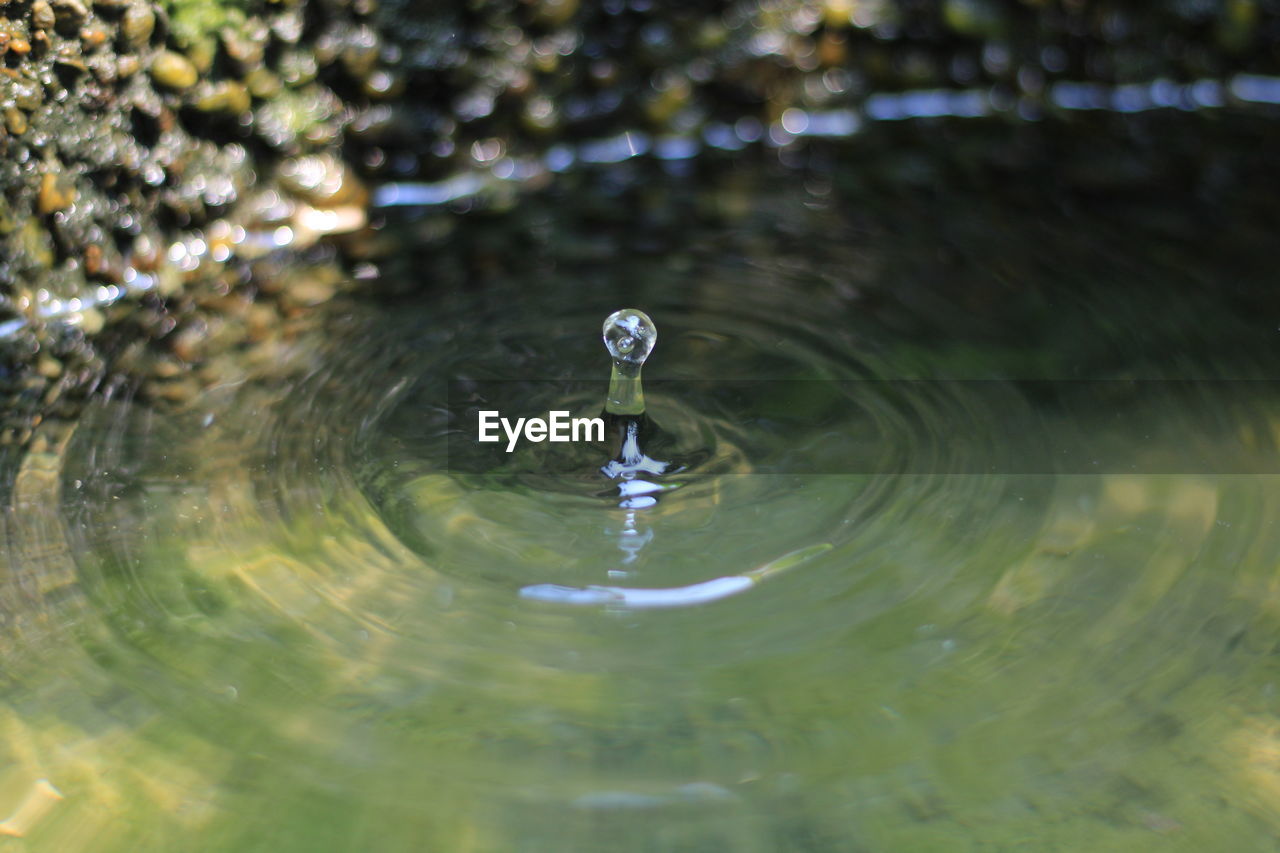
[{"x": 277, "y": 617}]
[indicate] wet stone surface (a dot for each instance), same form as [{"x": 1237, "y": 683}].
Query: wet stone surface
[
  {"x": 128, "y": 126},
  {"x": 136, "y": 158}
]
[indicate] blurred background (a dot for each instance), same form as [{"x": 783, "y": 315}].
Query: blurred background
[
  {"x": 965, "y": 379},
  {"x": 155, "y": 151}
]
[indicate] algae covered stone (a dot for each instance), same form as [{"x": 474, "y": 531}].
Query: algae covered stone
[{"x": 173, "y": 71}]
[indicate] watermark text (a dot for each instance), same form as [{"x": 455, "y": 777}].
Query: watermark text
[{"x": 557, "y": 426}]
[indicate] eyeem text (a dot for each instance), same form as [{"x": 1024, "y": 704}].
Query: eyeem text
[{"x": 557, "y": 426}]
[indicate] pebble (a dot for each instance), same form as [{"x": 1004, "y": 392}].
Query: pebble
[
  {"x": 246, "y": 45},
  {"x": 93, "y": 260},
  {"x": 71, "y": 11},
  {"x": 226, "y": 97},
  {"x": 201, "y": 53},
  {"x": 554, "y": 13},
  {"x": 92, "y": 321},
  {"x": 55, "y": 194},
  {"x": 49, "y": 367},
  {"x": 103, "y": 68},
  {"x": 93, "y": 37},
  {"x": 27, "y": 95},
  {"x": 137, "y": 25},
  {"x": 263, "y": 83},
  {"x": 166, "y": 367},
  {"x": 70, "y": 62},
  {"x": 15, "y": 121},
  {"x": 173, "y": 71},
  {"x": 42, "y": 17}
]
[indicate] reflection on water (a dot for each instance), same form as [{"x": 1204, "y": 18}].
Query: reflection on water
[
  {"x": 276, "y": 617},
  {"x": 795, "y": 125}
]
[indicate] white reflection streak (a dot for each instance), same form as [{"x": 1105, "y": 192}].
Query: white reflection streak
[
  {"x": 638, "y": 598},
  {"x": 1256, "y": 88}
]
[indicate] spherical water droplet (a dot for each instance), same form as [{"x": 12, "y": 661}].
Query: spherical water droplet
[{"x": 629, "y": 335}]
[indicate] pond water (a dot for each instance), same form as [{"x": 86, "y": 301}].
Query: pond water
[{"x": 1013, "y": 498}]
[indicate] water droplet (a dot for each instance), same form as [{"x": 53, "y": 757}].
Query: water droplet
[{"x": 630, "y": 335}]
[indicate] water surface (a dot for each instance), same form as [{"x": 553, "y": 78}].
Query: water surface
[{"x": 274, "y": 615}]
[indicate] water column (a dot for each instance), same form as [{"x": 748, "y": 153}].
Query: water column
[{"x": 629, "y": 336}]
